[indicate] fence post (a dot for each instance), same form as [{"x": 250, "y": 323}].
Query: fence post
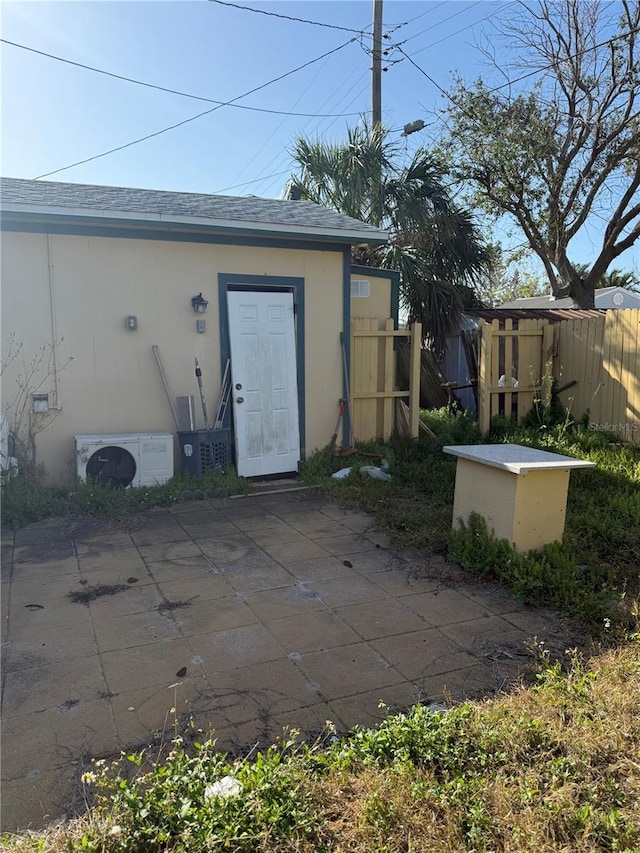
[
  {"x": 389, "y": 379},
  {"x": 414, "y": 378},
  {"x": 484, "y": 377}
]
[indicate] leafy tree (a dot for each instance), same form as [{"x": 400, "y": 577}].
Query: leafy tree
[
  {"x": 506, "y": 279},
  {"x": 567, "y": 152},
  {"x": 434, "y": 243}
]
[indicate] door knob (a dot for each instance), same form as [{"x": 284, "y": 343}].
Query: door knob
[{"x": 239, "y": 399}]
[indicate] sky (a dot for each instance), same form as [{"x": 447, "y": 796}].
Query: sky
[{"x": 55, "y": 114}]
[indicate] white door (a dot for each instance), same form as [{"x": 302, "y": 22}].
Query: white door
[{"x": 264, "y": 382}]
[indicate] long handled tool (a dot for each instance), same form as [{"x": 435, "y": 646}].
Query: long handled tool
[
  {"x": 204, "y": 402},
  {"x": 343, "y": 408},
  {"x": 348, "y": 438},
  {"x": 225, "y": 393},
  {"x": 165, "y": 383}
]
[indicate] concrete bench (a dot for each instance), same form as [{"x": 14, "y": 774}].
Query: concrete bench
[{"x": 520, "y": 492}]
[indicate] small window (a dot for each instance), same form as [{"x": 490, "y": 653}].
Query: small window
[
  {"x": 41, "y": 403},
  {"x": 360, "y": 288}
]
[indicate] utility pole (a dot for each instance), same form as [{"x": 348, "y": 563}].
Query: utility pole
[{"x": 376, "y": 76}]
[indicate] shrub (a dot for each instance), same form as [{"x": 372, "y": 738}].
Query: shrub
[{"x": 549, "y": 576}]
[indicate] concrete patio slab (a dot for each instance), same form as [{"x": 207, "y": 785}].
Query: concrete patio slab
[
  {"x": 235, "y": 647},
  {"x": 311, "y": 632},
  {"x": 51, "y": 684},
  {"x": 195, "y": 589},
  {"x": 154, "y": 664},
  {"x": 384, "y": 617},
  {"x": 351, "y": 588},
  {"x": 221, "y": 614},
  {"x": 348, "y": 670},
  {"x": 244, "y": 614}
]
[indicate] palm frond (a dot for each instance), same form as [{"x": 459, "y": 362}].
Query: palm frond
[{"x": 436, "y": 246}]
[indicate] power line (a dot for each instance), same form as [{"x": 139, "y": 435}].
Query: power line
[
  {"x": 193, "y": 118},
  {"x": 535, "y": 71},
  {"x": 254, "y": 181},
  {"x": 462, "y": 29},
  {"x": 286, "y": 17},
  {"x": 429, "y": 78},
  {"x": 443, "y": 21},
  {"x": 282, "y": 122},
  {"x": 164, "y": 88},
  {"x": 429, "y": 11}
]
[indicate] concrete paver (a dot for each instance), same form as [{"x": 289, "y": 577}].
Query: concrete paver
[
  {"x": 312, "y": 632},
  {"x": 247, "y": 614}
]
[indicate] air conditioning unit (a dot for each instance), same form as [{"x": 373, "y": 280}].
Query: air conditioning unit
[{"x": 140, "y": 459}]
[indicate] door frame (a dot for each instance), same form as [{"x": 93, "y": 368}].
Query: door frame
[{"x": 286, "y": 284}]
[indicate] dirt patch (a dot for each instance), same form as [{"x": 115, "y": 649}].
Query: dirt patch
[
  {"x": 170, "y": 606},
  {"x": 90, "y": 593}
]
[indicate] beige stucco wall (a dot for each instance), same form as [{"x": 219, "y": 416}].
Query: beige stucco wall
[
  {"x": 113, "y": 384},
  {"x": 378, "y": 304},
  {"x": 526, "y": 509}
]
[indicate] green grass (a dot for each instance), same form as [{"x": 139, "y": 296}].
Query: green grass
[
  {"x": 25, "y": 498},
  {"x": 554, "y": 767}
]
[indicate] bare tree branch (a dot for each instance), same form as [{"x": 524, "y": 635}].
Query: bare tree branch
[{"x": 566, "y": 151}]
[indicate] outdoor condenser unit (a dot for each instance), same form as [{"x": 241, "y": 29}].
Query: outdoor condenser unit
[{"x": 137, "y": 459}]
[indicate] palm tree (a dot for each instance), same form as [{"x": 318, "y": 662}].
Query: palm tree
[
  {"x": 435, "y": 244},
  {"x": 613, "y": 278}
]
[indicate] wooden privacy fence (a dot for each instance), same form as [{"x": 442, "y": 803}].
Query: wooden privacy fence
[
  {"x": 373, "y": 377},
  {"x": 602, "y": 355},
  {"x": 598, "y": 357}
]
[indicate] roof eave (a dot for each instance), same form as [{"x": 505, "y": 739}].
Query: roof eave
[{"x": 196, "y": 223}]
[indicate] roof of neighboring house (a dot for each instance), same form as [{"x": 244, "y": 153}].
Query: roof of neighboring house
[
  {"x": 548, "y": 300},
  {"x": 258, "y": 216},
  {"x": 553, "y": 315}
]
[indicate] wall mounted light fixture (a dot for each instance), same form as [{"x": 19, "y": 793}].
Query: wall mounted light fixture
[{"x": 199, "y": 304}]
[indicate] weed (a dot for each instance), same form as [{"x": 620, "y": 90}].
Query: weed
[
  {"x": 549, "y": 576},
  {"x": 170, "y": 606},
  {"x": 90, "y": 593},
  {"x": 26, "y": 498}
]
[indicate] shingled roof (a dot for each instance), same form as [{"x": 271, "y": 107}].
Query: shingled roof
[{"x": 211, "y": 212}]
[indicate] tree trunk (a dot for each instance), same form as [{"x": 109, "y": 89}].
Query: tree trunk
[{"x": 584, "y": 297}]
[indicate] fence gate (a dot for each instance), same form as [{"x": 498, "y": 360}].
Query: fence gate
[
  {"x": 373, "y": 378},
  {"x": 514, "y": 366}
]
